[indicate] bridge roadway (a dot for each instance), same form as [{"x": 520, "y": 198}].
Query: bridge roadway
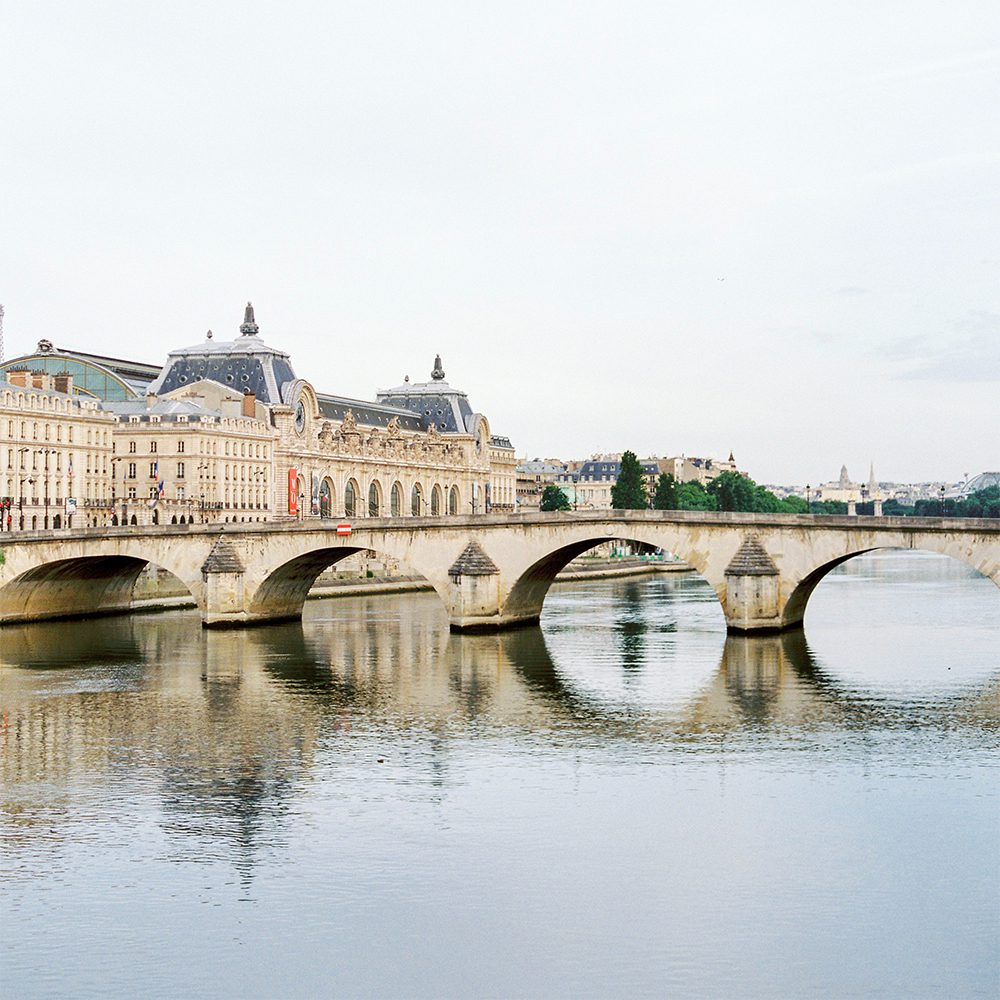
[{"x": 491, "y": 571}]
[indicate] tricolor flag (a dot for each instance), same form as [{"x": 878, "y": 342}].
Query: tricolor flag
[
  {"x": 69, "y": 471},
  {"x": 159, "y": 483}
]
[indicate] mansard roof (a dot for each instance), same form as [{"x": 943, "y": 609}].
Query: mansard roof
[
  {"x": 246, "y": 364},
  {"x": 434, "y": 402}
]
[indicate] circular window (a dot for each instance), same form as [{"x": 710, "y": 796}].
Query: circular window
[
  {"x": 229, "y": 378},
  {"x": 245, "y": 377},
  {"x": 184, "y": 378}
]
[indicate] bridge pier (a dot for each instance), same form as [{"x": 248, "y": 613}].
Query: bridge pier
[
  {"x": 476, "y": 598},
  {"x": 225, "y": 594},
  {"x": 751, "y": 599}
]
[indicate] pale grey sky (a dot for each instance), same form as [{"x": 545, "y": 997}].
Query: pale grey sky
[{"x": 548, "y": 194}]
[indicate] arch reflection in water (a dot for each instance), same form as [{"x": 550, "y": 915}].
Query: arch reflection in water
[{"x": 347, "y": 766}]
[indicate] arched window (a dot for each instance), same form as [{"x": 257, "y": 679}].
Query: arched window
[
  {"x": 351, "y": 498},
  {"x": 374, "y": 499},
  {"x": 453, "y": 501},
  {"x": 396, "y": 500},
  {"x": 326, "y": 498},
  {"x": 416, "y": 500},
  {"x": 436, "y": 500}
]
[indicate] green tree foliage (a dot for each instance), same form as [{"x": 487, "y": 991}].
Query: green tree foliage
[
  {"x": 829, "y": 507},
  {"x": 553, "y": 498},
  {"x": 733, "y": 491},
  {"x": 665, "y": 497},
  {"x": 982, "y": 503},
  {"x": 795, "y": 505},
  {"x": 694, "y": 496},
  {"x": 629, "y": 492}
]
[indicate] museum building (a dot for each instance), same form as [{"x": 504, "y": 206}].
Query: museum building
[{"x": 226, "y": 431}]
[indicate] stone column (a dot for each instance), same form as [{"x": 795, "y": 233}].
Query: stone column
[
  {"x": 222, "y": 573},
  {"x": 852, "y": 507},
  {"x": 877, "y": 507},
  {"x": 752, "y": 590}
]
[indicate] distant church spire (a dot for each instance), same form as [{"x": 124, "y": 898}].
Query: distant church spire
[
  {"x": 438, "y": 373},
  {"x": 872, "y": 483},
  {"x": 249, "y": 326},
  {"x": 845, "y": 479}
]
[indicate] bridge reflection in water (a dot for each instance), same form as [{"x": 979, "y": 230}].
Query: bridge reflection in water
[
  {"x": 233, "y": 724},
  {"x": 624, "y": 796}
]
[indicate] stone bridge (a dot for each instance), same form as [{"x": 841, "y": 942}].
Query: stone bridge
[{"x": 491, "y": 571}]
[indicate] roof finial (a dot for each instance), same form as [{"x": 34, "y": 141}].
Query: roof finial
[
  {"x": 438, "y": 374},
  {"x": 249, "y": 326},
  {"x": 208, "y": 336}
]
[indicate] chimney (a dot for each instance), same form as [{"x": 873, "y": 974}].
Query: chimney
[
  {"x": 63, "y": 382},
  {"x": 40, "y": 380},
  {"x": 19, "y": 377},
  {"x": 249, "y": 404}
]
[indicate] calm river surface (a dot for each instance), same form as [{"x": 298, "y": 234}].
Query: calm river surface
[{"x": 621, "y": 803}]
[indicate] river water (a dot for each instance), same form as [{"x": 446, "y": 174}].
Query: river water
[{"x": 620, "y": 803}]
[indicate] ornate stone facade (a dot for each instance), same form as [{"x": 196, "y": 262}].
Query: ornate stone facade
[
  {"x": 226, "y": 432},
  {"x": 55, "y": 453}
]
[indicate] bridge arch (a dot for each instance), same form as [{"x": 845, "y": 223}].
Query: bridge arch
[
  {"x": 799, "y": 591},
  {"x": 78, "y": 586},
  {"x": 281, "y": 594},
  {"x": 527, "y": 594}
]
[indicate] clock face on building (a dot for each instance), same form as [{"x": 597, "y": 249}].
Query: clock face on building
[{"x": 300, "y": 417}]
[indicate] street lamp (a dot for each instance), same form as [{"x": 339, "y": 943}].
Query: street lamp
[
  {"x": 20, "y": 502},
  {"x": 941, "y": 492},
  {"x": 809, "y": 498},
  {"x": 46, "y": 452}
]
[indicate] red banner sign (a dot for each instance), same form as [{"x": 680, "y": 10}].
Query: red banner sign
[{"x": 293, "y": 491}]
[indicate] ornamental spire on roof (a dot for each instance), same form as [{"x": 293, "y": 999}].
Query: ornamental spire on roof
[
  {"x": 249, "y": 326},
  {"x": 438, "y": 374},
  {"x": 872, "y": 481}
]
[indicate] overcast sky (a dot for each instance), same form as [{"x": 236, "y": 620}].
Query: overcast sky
[{"x": 672, "y": 227}]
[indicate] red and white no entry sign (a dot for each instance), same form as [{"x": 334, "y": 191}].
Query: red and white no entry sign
[{"x": 343, "y": 529}]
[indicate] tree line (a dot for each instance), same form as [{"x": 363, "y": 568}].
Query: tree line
[{"x": 736, "y": 492}]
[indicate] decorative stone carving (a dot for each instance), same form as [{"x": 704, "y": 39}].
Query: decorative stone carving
[{"x": 348, "y": 425}]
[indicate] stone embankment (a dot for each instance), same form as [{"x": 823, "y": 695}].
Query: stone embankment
[{"x": 158, "y": 590}]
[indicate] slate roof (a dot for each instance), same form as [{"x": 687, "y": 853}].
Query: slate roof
[
  {"x": 473, "y": 562},
  {"x": 367, "y": 413},
  {"x": 432, "y": 403},
  {"x": 596, "y": 470},
  {"x": 751, "y": 559}
]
